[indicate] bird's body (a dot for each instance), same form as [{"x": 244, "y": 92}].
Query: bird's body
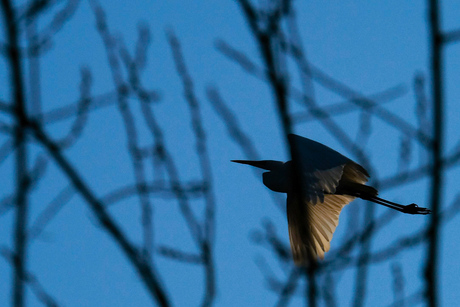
[{"x": 318, "y": 185}]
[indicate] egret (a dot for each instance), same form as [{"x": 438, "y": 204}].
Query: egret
[{"x": 328, "y": 182}]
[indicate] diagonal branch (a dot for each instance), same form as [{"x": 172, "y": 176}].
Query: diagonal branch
[
  {"x": 145, "y": 271},
  {"x": 359, "y": 99}
]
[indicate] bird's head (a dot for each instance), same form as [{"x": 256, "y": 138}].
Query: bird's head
[{"x": 277, "y": 177}]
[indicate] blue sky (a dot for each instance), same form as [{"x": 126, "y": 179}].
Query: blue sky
[{"x": 369, "y": 46}]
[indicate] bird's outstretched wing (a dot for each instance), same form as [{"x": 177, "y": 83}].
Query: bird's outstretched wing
[
  {"x": 310, "y": 240},
  {"x": 322, "y": 168},
  {"x": 316, "y": 183}
]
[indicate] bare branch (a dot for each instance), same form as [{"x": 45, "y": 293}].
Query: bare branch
[
  {"x": 437, "y": 151},
  {"x": 421, "y": 106},
  {"x": 97, "y": 102},
  {"x": 241, "y": 59},
  {"x": 344, "y": 107},
  {"x": 44, "y": 297},
  {"x": 240, "y": 137},
  {"x": 7, "y": 203},
  {"x": 410, "y": 300},
  {"x": 22, "y": 175},
  {"x": 289, "y": 287},
  {"x": 392, "y": 119},
  {"x": 5, "y": 107},
  {"x": 43, "y": 41},
  {"x": 205, "y": 167},
  {"x": 398, "y": 284},
  {"x": 145, "y": 271},
  {"x": 232, "y": 124},
  {"x": 82, "y": 111},
  {"x": 193, "y": 189},
  {"x": 180, "y": 256},
  {"x": 35, "y": 174},
  {"x": 329, "y": 291},
  {"x": 270, "y": 239},
  {"x": 143, "y": 42},
  {"x": 452, "y": 36},
  {"x": 269, "y": 43},
  {"x": 418, "y": 173},
  {"x": 6, "y": 149},
  {"x": 129, "y": 126},
  {"x": 50, "y": 211}
]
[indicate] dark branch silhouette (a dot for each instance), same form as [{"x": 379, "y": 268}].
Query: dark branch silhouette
[
  {"x": 145, "y": 271},
  {"x": 30, "y": 139},
  {"x": 437, "y": 150},
  {"x": 22, "y": 175},
  {"x": 207, "y": 243}
]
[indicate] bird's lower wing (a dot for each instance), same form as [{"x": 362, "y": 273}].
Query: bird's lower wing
[{"x": 310, "y": 240}]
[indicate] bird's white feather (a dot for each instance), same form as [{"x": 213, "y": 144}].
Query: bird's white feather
[{"x": 313, "y": 242}]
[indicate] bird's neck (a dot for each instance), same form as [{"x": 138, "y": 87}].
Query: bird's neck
[{"x": 278, "y": 180}]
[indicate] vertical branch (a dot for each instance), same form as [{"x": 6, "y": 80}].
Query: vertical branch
[
  {"x": 269, "y": 44},
  {"x": 205, "y": 165},
  {"x": 289, "y": 288},
  {"x": 362, "y": 266},
  {"x": 421, "y": 107},
  {"x": 22, "y": 182},
  {"x": 431, "y": 265},
  {"x": 335, "y": 130},
  {"x": 33, "y": 68},
  {"x": 130, "y": 129},
  {"x": 398, "y": 284},
  {"x": 330, "y": 299}
]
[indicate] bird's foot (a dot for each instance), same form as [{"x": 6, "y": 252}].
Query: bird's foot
[{"x": 414, "y": 209}]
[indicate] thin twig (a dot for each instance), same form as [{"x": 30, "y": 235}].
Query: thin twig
[
  {"x": 147, "y": 273},
  {"x": 131, "y": 131},
  {"x": 240, "y": 137},
  {"x": 83, "y": 106},
  {"x": 289, "y": 287},
  {"x": 180, "y": 256},
  {"x": 50, "y": 211},
  {"x": 193, "y": 190},
  {"x": 398, "y": 284},
  {"x": 205, "y": 167}
]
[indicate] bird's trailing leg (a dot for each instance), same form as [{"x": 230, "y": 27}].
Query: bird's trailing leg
[
  {"x": 410, "y": 209},
  {"x": 369, "y": 193}
]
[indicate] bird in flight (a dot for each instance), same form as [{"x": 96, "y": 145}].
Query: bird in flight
[{"x": 326, "y": 182}]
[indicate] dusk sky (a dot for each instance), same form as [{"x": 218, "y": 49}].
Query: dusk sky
[{"x": 371, "y": 47}]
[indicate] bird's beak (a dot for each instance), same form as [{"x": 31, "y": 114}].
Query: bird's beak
[{"x": 264, "y": 164}]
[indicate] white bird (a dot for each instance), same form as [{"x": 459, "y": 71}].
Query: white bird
[{"x": 329, "y": 181}]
